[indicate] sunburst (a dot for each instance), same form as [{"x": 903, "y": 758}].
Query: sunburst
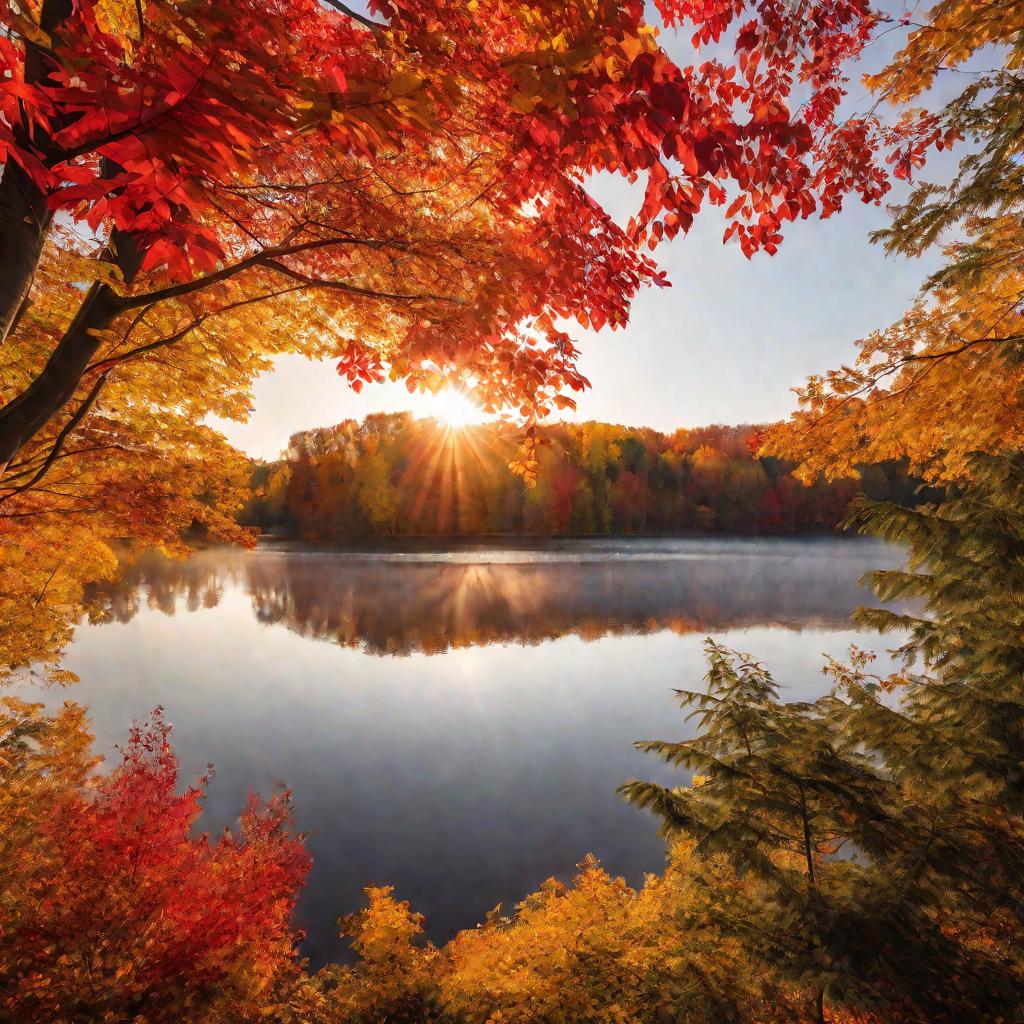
[{"x": 455, "y": 409}]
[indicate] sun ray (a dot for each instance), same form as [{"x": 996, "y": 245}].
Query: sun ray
[{"x": 454, "y": 409}]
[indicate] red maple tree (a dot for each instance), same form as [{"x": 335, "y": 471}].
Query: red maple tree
[
  {"x": 413, "y": 180},
  {"x": 114, "y": 907}
]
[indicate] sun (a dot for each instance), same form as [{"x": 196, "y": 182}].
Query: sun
[{"x": 455, "y": 409}]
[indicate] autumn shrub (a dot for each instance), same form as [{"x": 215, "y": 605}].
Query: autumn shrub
[
  {"x": 113, "y": 909},
  {"x": 596, "y": 951}
]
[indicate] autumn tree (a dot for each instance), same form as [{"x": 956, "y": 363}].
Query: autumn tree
[
  {"x": 944, "y": 381},
  {"x": 404, "y": 191},
  {"x": 113, "y": 909},
  {"x": 378, "y": 497},
  {"x": 595, "y": 951},
  {"x": 876, "y": 882}
]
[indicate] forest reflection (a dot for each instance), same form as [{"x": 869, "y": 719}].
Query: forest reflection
[{"x": 387, "y": 604}]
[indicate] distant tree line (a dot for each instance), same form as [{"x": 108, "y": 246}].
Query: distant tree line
[{"x": 393, "y": 475}]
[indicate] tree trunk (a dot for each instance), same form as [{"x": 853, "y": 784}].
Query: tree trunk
[
  {"x": 24, "y": 215},
  {"x": 24, "y": 221},
  {"x": 26, "y": 415}
]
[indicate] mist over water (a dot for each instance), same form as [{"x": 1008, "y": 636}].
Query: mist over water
[
  {"x": 408, "y": 601},
  {"x": 453, "y": 723}
]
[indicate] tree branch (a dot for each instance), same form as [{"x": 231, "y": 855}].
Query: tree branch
[
  {"x": 62, "y": 437},
  {"x": 114, "y": 360},
  {"x": 315, "y": 282},
  {"x": 373, "y": 26},
  {"x": 256, "y": 260},
  {"x": 898, "y": 364}
]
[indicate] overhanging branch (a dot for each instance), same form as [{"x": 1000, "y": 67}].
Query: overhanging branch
[
  {"x": 62, "y": 437},
  {"x": 345, "y": 286},
  {"x": 264, "y": 258}
]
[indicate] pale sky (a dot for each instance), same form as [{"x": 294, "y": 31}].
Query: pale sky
[{"x": 725, "y": 344}]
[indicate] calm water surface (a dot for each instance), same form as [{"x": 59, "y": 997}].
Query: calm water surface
[{"x": 452, "y": 723}]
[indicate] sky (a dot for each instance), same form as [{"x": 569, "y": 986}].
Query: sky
[{"x": 726, "y": 343}]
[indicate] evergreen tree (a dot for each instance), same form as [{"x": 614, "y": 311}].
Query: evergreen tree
[{"x": 879, "y": 827}]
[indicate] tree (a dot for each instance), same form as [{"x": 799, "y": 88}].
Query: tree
[
  {"x": 940, "y": 384},
  {"x": 378, "y": 497},
  {"x": 408, "y": 189},
  {"x": 944, "y": 381},
  {"x": 882, "y": 861},
  {"x": 152, "y": 483},
  {"x": 113, "y": 909},
  {"x": 595, "y": 951},
  {"x": 882, "y": 824},
  {"x": 963, "y": 582},
  {"x": 630, "y": 498}
]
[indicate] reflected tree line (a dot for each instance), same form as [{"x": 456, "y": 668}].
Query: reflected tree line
[{"x": 386, "y": 606}]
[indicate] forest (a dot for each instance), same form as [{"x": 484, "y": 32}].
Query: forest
[
  {"x": 393, "y": 475},
  {"x": 191, "y": 189}
]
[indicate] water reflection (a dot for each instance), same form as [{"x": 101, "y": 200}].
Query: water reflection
[
  {"x": 465, "y": 777},
  {"x": 401, "y": 603}
]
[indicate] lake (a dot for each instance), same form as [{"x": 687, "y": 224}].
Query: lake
[{"x": 453, "y": 723}]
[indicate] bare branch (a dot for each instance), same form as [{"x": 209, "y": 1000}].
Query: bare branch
[{"x": 373, "y": 26}]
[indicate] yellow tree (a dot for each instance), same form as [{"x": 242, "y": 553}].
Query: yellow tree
[
  {"x": 947, "y": 379},
  {"x": 597, "y": 951}
]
